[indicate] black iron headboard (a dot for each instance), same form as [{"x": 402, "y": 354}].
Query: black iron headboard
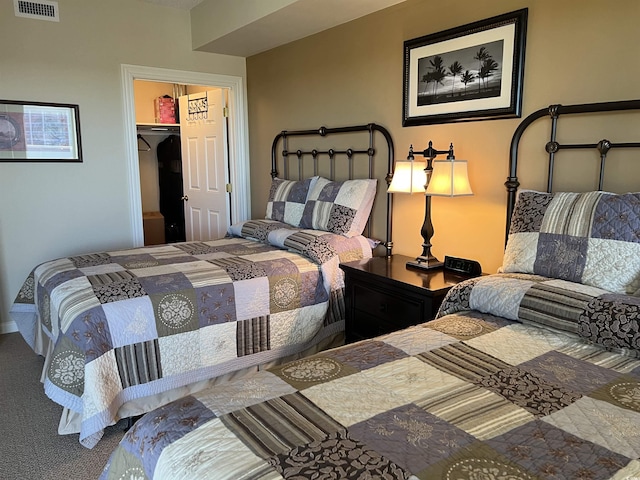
[
  {"x": 552, "y": 147},
  {"x": 348, "y": 154}
]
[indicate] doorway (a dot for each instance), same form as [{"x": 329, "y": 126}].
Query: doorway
[{"x": 237, "y": 136}]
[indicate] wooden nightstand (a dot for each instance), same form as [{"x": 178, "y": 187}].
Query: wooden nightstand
[{"x": 383, "y": 295}]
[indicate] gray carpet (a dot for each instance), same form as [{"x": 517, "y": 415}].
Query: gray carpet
[{"x": 30, "y": 447}]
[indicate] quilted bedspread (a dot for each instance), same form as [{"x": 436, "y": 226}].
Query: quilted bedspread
[
  {"x": 129, "y": 324},
  {"x": 471, "y": 395}
]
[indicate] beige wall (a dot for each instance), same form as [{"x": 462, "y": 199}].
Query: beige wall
[
  {"x": 53, "y": 210},
  {"x": 577, "y": 51}
]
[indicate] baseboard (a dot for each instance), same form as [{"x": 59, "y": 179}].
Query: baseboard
[{"x": 8, "y": 327}]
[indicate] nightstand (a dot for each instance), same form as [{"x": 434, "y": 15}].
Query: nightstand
[{"x": 383, "y": 295}]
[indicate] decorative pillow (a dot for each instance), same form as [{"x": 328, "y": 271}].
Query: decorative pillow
[
  {"x": 591, "y": 238},
  {"x": 287, "y": 199},
  {"x": 339, "y": 207}
]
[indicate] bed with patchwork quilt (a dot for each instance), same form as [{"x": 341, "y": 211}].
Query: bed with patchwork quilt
[{"x": 122, "y": 326}]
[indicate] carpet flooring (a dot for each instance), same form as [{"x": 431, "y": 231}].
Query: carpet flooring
[{"x": 30, "y": 447}]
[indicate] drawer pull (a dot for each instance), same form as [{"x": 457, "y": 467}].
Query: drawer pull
[{"x": 383, "y": 307}]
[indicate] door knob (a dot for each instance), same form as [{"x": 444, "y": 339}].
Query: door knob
[{"x": 185, "y": 198}]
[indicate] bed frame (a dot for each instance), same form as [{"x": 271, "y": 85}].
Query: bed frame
[
  {"x": 290, "y": 155},
  {"x": 553, "y": 146}
]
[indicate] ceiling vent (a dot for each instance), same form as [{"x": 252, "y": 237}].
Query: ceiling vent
[{"x": 40, "y": 10}]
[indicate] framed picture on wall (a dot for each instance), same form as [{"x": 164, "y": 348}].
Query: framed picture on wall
[
  {"x": 471, "y": 72},
  {"x": 39, "y": 132}
]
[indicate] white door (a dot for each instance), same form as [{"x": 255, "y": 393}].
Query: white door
[{"x": 203, "y": 133}]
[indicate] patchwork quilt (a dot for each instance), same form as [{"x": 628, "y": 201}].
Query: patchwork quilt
[
  {"x": 474, "y": 394},
  {"x": 128, "y": 324}
]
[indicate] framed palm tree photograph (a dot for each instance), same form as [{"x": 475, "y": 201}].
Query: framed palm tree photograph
[{"x": 467, "y": 73}]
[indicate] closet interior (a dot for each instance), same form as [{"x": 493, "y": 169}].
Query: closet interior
[{"x": 160, "y": 162}]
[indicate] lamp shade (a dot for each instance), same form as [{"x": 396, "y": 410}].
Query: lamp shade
[
  {"x": 449, "y": 179},
  {"x": 408, "y": 177}
]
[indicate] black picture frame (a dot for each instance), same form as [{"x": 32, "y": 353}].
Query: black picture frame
[
  {"x": 479, "y": 68},
  {"x": 39, "y": 132}
]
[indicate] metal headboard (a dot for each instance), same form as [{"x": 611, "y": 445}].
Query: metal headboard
[
  {"x": 552, "y": 147},
  {"x": 348, "y": 154}
]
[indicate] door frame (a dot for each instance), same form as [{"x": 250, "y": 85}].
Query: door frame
[{"x": 237, "y": 132}]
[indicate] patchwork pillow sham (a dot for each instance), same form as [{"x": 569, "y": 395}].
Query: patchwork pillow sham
[
  {"x": 287, "y": 199},
  {"x": 342, "y": 208},
  {"x": 591, "y": 238}
]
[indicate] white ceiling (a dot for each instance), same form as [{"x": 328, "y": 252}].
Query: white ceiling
[{"x": 299, "y": 19}]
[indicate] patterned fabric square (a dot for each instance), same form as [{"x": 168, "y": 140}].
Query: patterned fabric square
[
  {"x": 66, "y": 369},
  {"x": 367, "y": 354},
  {"x": 601, "y": 423},
  {"x": 116, "y": 286},
  {"x": 110, "y": 383},
  {"x": 223, "y": 448},
  {"x": 91, "y": 332},
  {"x": 253, "y": 336},
  {"x": 90, "y": 260},
  {"x": 612, "y": 321},
  {"x": 175, "y": 312},
  {"x": 477, "y": 461},
  {"x": 240, "y": 268},
  {"x": 529, "y": 391},
  {"x": 285, "y": 292},
  {"x": 516, "y": 343},
  {"x": 169, "y": 282},
  {"x": 130, "y": 321},
  {"x": 462, "y": 326},
  {"x": 180, "y": 353},
  {"x": 549, "y": 452},
  {"x": 415, "y": 340},
  {"x": 340, "y": 456},
  {"x": 252, "y": 297},
  {"x": 339, "y": 207},
  {"x": 196, "y": 248},
  {"x": 591, "y": 238},
  {"x": 287, "y": 200},
  {"x": 134, "y": 261},
  {"x": 216, "y": 304},
  {"x": 217, "y": 344},
  {"x": 476, "y": 410},
  {"x": 306, "y": 372},
  {"x": 293, "y": 326},
  {"x": 463, "y": 361},
  {"x": 70, "y": 299},
  {"x": 139, "y": 363},
  {"x": 576, "y": 375},
  {"x": 410, "y": 379},
  {"x": 242, "y": 392},
  {"x": 405, "y": 434},
  {"x": 353, "y": 398},
  {"x": 152, "y": 433},
  {"x": 624, "y": 392},
  {"x": 280, "y": 424}
]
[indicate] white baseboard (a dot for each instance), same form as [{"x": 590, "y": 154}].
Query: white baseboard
[{"x": 8, "y": 327}]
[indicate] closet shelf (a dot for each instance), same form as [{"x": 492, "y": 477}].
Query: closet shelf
[{"x": 160, "y": 128}]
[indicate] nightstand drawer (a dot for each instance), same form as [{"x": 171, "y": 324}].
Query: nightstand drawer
[{"x": 386, "y": 307}]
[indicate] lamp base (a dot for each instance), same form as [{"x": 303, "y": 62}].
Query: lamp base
[{"x": 425, "y": 263}]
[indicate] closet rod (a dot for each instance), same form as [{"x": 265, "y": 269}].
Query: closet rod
[{"x": 140, "y": 137}]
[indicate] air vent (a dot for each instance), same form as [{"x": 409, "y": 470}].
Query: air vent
[{"x": 41, "y": 10}]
